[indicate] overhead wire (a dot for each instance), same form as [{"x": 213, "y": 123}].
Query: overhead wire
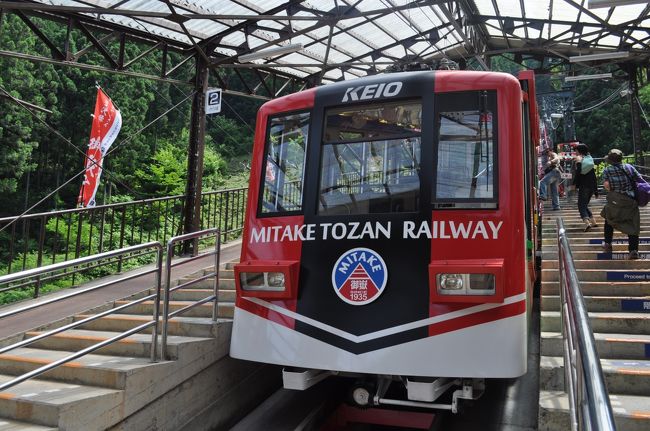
[{"x": 603, "y": 102}]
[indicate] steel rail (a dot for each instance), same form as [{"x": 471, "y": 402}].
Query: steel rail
[
  {"x": 584, "y": 382},
  {"x": 206, "y": 233},
  {"x": 76, "y": 262}
]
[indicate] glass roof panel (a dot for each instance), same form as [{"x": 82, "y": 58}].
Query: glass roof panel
[
  {"x": 404, "y": 27},
  {"x": 509, "y": 8},
  {"x": 485, "y": 7}
]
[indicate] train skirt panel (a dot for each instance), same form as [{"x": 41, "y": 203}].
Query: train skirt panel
[{"x": 494, "y": 349}]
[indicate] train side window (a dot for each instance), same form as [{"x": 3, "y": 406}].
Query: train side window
[
  {"x": 284, "y": 164},
  {"x": 466, "y": 154},
  {"x": 370, "y": 160}
]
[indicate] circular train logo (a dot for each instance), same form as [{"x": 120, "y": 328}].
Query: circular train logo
[{"x": 359, "y": 276}]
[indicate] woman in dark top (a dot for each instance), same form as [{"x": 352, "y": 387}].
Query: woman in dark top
[{"x": 585, "y": 181}]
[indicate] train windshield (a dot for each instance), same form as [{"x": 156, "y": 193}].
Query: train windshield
[
  {"x": 466, "y": 153},
  {"x": 285, "y": 163},
  {"x": 370, "y": 160}
]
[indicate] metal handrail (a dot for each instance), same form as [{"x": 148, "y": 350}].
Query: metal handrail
[
  {"x": 114, "y": 205},
  {"x": 166, "y": 315},
  {"x": 76, "y": 262},
  {"x": 584, "y": 382}
]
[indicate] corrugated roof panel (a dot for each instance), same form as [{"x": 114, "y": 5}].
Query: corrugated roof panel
[
  {"x": 367, "y": 33},
  {"x": 485, "y": 7},
  {"x": 563, "y": 11},
  {"x": 509, "y": 8},
  {"x": 537, "y": 9},
  {"x": 624, "y": 14}
]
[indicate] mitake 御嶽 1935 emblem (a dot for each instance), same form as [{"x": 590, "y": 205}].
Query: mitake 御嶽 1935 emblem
[{"x": 359, "y": 276}]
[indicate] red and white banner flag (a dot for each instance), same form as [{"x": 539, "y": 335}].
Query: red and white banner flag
[{"x": 107, "y": 122}]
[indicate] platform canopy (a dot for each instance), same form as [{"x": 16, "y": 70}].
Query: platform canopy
[{"x": 329, "y": 40}]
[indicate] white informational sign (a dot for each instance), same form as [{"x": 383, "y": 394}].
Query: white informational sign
[
  {"x": 213, "y": 101},
  {"x": 566, "y": 175}
]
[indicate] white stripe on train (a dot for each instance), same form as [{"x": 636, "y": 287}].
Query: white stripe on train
[
  {"x": 388, "y": 331},
  {"x": 494, "y": 349}
]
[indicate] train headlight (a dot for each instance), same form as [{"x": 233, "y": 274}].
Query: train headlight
[
  {"x": 450, "y": 281},
  {"x": 466, "y": 284},
  {"x": 277, "y": 279},
  {"x": 467, "y": 280},
  {"x": 268, "y": 281}
]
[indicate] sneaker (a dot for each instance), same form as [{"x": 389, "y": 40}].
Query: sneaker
[
  {"x": 633, "y": 255},
  {"x": 607, "y": 248},
  {"x": 557, "y": 209},
  {"x": 542, "y": 198}
]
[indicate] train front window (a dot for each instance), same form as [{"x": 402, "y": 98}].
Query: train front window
[
  {"x": 370, "y": 160},
  {"x": 285, "y": 164},
  {"x": 466, "y": 152}
]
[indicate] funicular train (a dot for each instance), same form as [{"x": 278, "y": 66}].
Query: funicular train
[{"x": 390, "y": 235}]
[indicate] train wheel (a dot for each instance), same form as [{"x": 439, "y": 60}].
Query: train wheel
[{"x": 362, "y": 394}]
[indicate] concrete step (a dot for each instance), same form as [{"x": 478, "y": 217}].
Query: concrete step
[
  {"x": 578, "y": 230},
  {"x": 622, "y": 376},
  {"x": 596, "y": 247},
  {"x": 595, "y": 238},
  {"x": 604, "y": 265},
  {"x": 227, "y": 295},
  {"x": 206, "y": 283},
  {"x": 184, "y": 326},
  {"x": 11, "y": 425},
  {"x": 226, "y": 309},
  {"x": 631, "y": 412},
  {"x": 92, "y": 370},
  {"x": 609, "y": 346},
  {"x": 598, "y": 255},
  {"x": 634, "y": 274},
  {"x": 619, "y": 323},
  {"x": 137, "y": 345},
  {"x": 603, "y": 288},
  {"x": 231, "y": 264},
  {"x": 603, "y": 303},
  {"x": 67, "y": 406}
]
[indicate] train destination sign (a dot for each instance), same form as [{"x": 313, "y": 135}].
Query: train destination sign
[{"x": 436, "y": 229}]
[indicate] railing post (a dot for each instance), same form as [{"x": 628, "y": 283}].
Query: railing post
[
  {"x": 39, "y": 260},
  {"x": 156, "y": 305},
  {"x": 165, "y": 316},
  {"x": 217, "y": 259},
  {"x": 119, "y": 262}
]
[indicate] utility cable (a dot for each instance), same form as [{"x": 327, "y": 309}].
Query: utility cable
[
  {"x": 42, "y": 200},
  {"x": 602, "y": 102}
]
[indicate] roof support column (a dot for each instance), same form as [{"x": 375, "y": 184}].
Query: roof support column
[
  {"x": 635, "y": 115},
  {"x": 193, "y": 189}
]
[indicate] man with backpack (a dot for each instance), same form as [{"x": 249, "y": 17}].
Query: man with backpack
[{"x": 621, "y": 212}]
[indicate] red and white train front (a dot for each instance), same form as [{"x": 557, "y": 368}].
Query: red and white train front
[{"x": 386, "y": 229}]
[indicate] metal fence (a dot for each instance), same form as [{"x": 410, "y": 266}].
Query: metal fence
[{"x": 41, "y": 239}]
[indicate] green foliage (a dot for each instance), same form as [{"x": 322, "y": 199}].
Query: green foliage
[
  {"x": 149, "y": 157},
  {"x": 166, "y": 174}
]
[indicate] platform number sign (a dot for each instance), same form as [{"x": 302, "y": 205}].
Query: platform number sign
[{"x": 213, "y": 101}]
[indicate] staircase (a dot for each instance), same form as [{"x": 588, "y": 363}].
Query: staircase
[
  {"x": 618, "y": 302},
  {"x": 118, "y": 388}
]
